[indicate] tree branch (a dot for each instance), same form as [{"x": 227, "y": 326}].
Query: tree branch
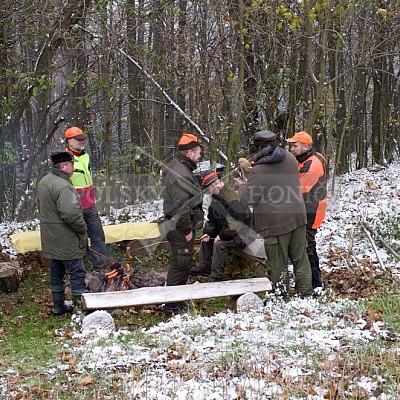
[{"x": 380, "y": 238}]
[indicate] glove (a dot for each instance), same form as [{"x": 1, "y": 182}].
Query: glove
[{"x": 245, "y": 164}]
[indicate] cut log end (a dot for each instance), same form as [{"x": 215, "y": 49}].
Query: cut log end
[{"x": 10, "y": 276}]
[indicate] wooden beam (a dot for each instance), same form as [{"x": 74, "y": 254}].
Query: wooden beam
[{"x": 172, "y": 294}]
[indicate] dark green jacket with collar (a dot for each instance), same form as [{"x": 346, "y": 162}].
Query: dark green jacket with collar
[
  {"x": 63, "y": 230},
  {"x": 183, "y": 196}
]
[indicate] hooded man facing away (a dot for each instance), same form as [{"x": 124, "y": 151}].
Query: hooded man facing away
[{"x": 273, "y": 190}]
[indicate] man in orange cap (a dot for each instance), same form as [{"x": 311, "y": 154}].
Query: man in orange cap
[
  {"x": 183, "y": 210},
  {"x": 227, "y": 226},
  {"x": 312, "y": 169},
  {"x": 82, "y": 180}
]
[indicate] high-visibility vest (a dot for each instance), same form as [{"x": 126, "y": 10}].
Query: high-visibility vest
[
  {"x": 82, "y": 180},
  {"x": 313, "y": 185},
  {"x": 82, "y": 177}
]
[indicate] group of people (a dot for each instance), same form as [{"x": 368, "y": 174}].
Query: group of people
[
  {"x": 287, "y": 193},
  {"x": 285, "y": 190}
]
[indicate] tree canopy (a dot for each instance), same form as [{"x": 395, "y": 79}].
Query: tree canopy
[{"x": 134, "y": 74}]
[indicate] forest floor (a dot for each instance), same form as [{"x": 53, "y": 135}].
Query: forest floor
[{"x": 342, "y": 345}]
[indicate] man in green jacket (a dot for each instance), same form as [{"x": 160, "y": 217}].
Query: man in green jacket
[
  {"x": 183, "y": 210},
  {"x": 63, "y": 231}
]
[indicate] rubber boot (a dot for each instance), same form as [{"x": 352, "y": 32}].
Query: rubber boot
[
  {"x": 59, "y": 307},
  {"x": 77, "y": 297},
  {"x": 315, "y": 271}
]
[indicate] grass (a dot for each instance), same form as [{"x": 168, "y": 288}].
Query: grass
[{"x": 33, "y": 343}]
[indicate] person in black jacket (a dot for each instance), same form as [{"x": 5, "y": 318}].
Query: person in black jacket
[{"x": 227, "y": 227}]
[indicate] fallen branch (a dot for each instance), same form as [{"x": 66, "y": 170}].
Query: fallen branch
[
  {"x": 373, "y": 245},
  {"x": 350, "y": 250},
  {"x": 380, "y": 238}
]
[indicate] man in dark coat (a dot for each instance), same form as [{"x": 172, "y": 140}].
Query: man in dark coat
[
  {"x": 273, "y": 189},
  {"x": 63, "y": 231},
  {"x": 183, "y": 209},
  {"x": 227, "y": 227}
]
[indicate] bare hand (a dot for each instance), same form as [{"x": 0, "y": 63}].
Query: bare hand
[
  {"x": 189, "y": 236},
  {"x": 204, "y": 238},
  {"x": 238, "y": 181},
  {"x": 217, "y": 239}
]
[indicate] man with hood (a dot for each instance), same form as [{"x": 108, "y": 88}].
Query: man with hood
[{"x": 279, "y": 214}]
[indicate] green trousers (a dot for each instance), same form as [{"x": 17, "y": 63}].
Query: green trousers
[
  {"x": 181, "y": 258},
  {"x": 290, "y": 246}
]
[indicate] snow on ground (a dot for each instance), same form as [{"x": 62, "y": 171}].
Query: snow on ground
[
  {"x": 372, "y": 195},
  {"x": 226, "y": 356},
  {"x": 298, "y": 343}
]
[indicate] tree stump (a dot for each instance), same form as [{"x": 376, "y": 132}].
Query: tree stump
[{"x": 10, "y": 276}]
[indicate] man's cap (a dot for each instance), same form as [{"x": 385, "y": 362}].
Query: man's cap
[
  {"x": 188, "y": 141},
  {"x": 61, "y": 156},
  {"x": 301, "y": 137},
  {"x": 264, "y": 138},
  {"x": 209, "y": 179},
  {"x": 74, "y": 132}
]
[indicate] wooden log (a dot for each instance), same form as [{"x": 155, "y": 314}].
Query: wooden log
[
  {"x": 10, "y": 276},
  {"x": 172, "y": 294}
]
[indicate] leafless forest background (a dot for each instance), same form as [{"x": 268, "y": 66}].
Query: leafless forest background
[{"x": 134, "y": 74}]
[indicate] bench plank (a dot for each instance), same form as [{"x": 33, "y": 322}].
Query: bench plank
[{"x": 172, "y": 294}]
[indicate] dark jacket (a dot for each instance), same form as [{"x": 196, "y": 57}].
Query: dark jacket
[
  {"x": 62, "y": 227},
  {"x": 227, "y": 215},
  {"x": 313, "y": 176},
  {"x": 182, "y": 194},
  {"x": 273, "y": 189}
]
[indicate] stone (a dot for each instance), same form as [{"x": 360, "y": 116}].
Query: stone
[
  {"x": 99, "y": 320},
  {"x": 249, "y": 302}
]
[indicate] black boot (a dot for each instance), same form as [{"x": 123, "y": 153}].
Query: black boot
[
  {"x": 175, "y": 308},
  {"x": 59, "y": 307},
  {"x": 77, "y": 297},
  {"x": 315, "y": 271}
]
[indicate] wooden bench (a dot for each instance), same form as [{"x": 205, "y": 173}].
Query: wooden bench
[
  {"x": 253, "y": 252},
  {"x": 172, "y": 294}
]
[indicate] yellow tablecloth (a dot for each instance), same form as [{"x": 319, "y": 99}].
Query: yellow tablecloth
[{"x": 25, "y": 242}]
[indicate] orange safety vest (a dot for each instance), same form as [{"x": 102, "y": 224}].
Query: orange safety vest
[{"x": 313, "y": 186}]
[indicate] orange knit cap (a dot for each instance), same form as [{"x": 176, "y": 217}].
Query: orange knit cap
[
  {"x": 209, "y": 179},
  {"x": 74, "y": 132},
  {"x": 301, "y": 137},
  {"x": 188, "y": 141}
]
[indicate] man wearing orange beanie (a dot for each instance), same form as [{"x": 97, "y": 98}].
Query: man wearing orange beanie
[
  {"x": 312, "y": 169},
  {"x": 227, "y": 226},
  {"x": 83, "y": 182},
  {"x": 183, "y": 210}
]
